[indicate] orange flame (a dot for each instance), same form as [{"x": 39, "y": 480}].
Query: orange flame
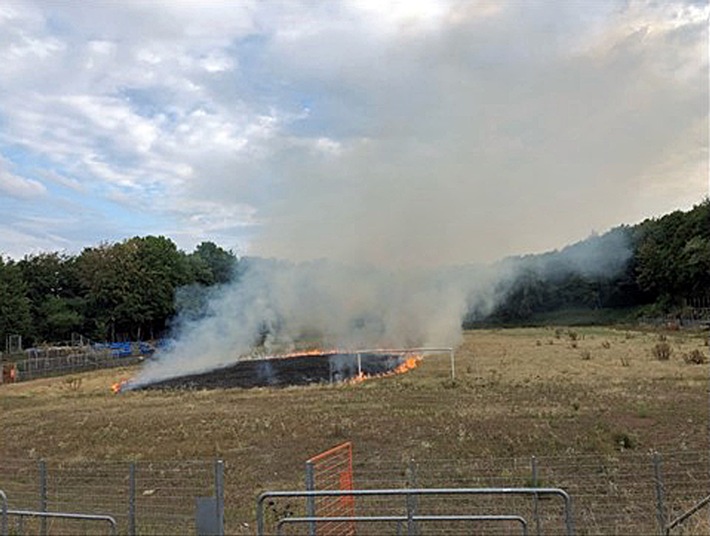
[
  {"x": 299, "y": 353},
  {"x": 359, "y": 378},
  {"x": 408, "y": 364},
  {"x": 116, "y": 387}
]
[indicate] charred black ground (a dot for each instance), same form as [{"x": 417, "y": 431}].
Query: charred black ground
[{"x": 284, "y": 371}]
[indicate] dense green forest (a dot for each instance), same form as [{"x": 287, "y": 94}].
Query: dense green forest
[
  {"x": 132, "y": 289},
  {"x": 114, "y": 291},
  {"x": 666, "y": 271}
]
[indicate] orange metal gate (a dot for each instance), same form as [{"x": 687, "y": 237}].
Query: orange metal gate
[{"x": 332, "y": 470}]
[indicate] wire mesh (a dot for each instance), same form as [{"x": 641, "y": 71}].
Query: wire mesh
[
  {"x": 163, "y": 502},
  {"x": 612, "y": 494}
]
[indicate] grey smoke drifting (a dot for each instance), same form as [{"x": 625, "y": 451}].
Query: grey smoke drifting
[
  {"x": 277, "y": 306},
  {"x": 498, "y": 131}
]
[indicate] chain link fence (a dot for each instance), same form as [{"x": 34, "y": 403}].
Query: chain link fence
[
  {"x": 143, "y": 497},
  {"x": 625, "y": 493},
  {"x": 621, "y": 494}
]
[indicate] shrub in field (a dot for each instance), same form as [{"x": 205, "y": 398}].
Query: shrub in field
[
  {"x": 662, "y": 351},
  {"x": 606, "y": 345},
  {"x": 586, "y": 355},
  {"x": 696, "y": 357},
  {"x": 624, "y": 441},
  {"x": 73, "y": 383}
]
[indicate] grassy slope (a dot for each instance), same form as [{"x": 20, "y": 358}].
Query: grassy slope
[{"x": 518, "y": 392}]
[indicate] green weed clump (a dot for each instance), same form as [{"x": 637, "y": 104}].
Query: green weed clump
[{"x": 625, "y": 441}]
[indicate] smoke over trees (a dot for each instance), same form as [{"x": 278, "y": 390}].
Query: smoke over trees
[
  {"x": 667, "y": 267},
  {"x": 145, "y": 286}
]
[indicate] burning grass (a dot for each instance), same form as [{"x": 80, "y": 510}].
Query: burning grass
[
  {"x": 511, "y": 397},
  {"x": 289, "y": 370},
  {"x": 501, "y": 372}
]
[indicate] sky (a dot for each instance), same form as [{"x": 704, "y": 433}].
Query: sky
[{"x": 400, "y": 133}]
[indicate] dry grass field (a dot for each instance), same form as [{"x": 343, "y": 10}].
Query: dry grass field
[{"x": 518, "y": 392}]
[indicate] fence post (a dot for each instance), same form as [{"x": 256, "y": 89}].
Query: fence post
[
  {"x": 453, "y": 365},
  {"x": 310, "y": 501},
  {"x": 43, "y": 496},
  {"x": 132, "y": 499},
  {"x": 535, "y": 483},
  {"x": 660, "y": 506},
  {"x": 3, "y": 514},
  {"x": 411, "y": 525},
  {"x": 219, "y": 493},
  {"x": 412, "y": 529}
]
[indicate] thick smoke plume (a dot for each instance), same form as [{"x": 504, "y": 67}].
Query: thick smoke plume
[
  {"x": 403, "y": 149},
  {"x": 278, "y": 306}
]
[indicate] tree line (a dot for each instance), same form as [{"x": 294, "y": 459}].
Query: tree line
[
  {"x": 114, "y": 291},
  {"x": 131, "y": 290},
  {"x": 666, "y": 272}
]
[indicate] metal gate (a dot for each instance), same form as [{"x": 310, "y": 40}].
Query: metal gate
[{"x": 408, "y": 516}]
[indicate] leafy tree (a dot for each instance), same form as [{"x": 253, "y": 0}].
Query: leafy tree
[
  {"x": 15, "y": 317},
  {"x": 212, "y": 264},
  {"x": 108, "y": 274},
  {"x": 161, "y": 269},
  {"x": 54, "y": 291},
  {"x": 61, "y": 317},
  {"x": 131, "y": 285},
  {"x": 673, "y": 255}
]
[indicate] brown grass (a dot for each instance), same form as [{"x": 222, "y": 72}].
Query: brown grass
[{"x": 513, "y": 396}]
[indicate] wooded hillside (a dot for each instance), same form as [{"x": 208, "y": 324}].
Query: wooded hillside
[
  {"x": 132, "y": 289},
  {"x": 665, "y": 271}
]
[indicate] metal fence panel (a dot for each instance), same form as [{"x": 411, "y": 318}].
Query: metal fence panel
[
  {"x": 143, "y": 497},
  {"x": 612, "y": 494}
]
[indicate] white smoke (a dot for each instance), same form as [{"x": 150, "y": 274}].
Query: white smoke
[
  {"x": 479, "y": 136},
  {"x": 276, "y": 306}
]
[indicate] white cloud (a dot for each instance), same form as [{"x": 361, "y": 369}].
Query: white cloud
[
  {"x": 15, "y": 186},
  {"x": 18, "y": 243},
  {"x": 18, "y": 187},
  {"x": 62, "y": 180},
  {"x": 361, "y": 129}
]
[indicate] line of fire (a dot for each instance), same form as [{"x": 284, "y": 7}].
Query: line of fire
[{"x": 300, "y": 368}]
